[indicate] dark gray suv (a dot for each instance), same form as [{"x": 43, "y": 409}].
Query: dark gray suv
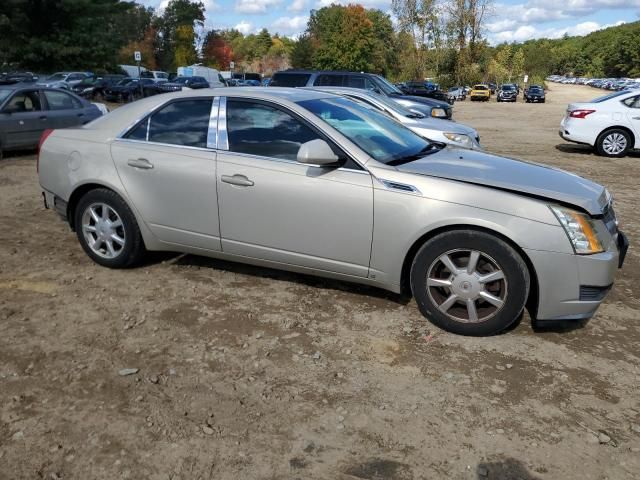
[
  {"x": 367, "y": 81},
  {"x": 27, "y": 110}
]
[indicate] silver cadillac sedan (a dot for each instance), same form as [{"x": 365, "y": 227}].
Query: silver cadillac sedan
[{"x": 316, "y": 183}]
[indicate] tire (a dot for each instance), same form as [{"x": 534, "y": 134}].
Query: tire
[
  {"x": 497, "y": 303},
  {"x": 106, "y": 204},
  {"x": 613, "y": 143}
]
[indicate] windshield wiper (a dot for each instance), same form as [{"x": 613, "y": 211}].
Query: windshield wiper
[
  {"x": 428, "y": 150},
  {"x": 414, "y": 115}
]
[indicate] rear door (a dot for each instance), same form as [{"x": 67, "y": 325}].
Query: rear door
[
  {"x": 23, "y": 120},
  {"x": 167, "y": 164}
]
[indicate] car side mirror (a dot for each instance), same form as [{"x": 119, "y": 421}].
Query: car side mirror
[{"x": 317, "y": 153}]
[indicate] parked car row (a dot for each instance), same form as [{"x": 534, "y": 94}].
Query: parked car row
[
  {"x": 367, "y": 81},
  {"x": 615, "y": 84},
  {"x": 338, "y": 181}
]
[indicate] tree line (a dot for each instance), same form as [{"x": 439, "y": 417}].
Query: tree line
[{"x": 440, "y": 39}]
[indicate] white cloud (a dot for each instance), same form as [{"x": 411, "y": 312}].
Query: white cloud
[
  {"x": 244, "y": 27},
  {"x": 256, "y": 6},
  {"x": 290, "y": 25},
  {"x": 298, "y": 5},
  {"x": 528, "y": 32}
]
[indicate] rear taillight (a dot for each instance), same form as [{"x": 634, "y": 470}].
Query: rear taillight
[
  {"x": 580, "y": 113},
  {"x": 43, "y": 137}
]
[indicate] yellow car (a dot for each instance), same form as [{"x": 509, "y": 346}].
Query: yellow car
[{"x": 480, "y": 92}]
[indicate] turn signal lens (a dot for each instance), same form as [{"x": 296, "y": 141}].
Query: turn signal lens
[{"x": 580, "y": 230}]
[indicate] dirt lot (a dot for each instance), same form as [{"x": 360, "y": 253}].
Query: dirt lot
[{"x": 248, "y": 373}]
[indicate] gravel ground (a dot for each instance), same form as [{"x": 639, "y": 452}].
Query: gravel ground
[{"x": 190, "y": 368}]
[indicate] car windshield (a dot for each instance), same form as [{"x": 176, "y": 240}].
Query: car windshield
[
  {"x": 379, "y": 136},
  {"x": 387, "y": 87},
  {"x": 181, "y": 80},
  {"x": 162, "y": 75},
  {"x": 394, "y": 106},
  {"x": 480, "y": 87},
  {"x": 608, "y": 97},
  {"x": 125, "y": 81},
  {"x": 56, "y": 77},
  {"x": 535, "y": 89},
  {"x": 4, "y": 93},
  {"x": 507, "y": 88}
]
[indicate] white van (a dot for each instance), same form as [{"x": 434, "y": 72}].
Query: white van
[
  {"x": 211, "y": 75},
  {"x": 156, "y": 75}
]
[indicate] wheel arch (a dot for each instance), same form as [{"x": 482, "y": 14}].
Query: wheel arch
[
  {"x": 532, "y": 299},
  {"x": 630, "y": 132}
]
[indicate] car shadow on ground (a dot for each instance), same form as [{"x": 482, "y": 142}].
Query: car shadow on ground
[
  {"x": 271, "y": 273},
  {"x": 558, "y": 326},
  {"x": 504, "y": 469},
  {"x": 586, "y": 149}
]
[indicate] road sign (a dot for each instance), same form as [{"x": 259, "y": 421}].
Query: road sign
[
  {"x": 526, "y": 78},
  {"x": 231, "y": 65},
  {"x": 137, "y": 56}
]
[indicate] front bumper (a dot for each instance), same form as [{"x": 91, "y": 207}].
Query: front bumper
[{"x": 572, "y": 287}]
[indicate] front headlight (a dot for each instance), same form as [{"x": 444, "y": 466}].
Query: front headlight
[
  {"x": 580, "y": 230},
  {"x": 438, "y": 113},
  {"x": 86, "y": 90},
  {"x": 460, "y": 138}
]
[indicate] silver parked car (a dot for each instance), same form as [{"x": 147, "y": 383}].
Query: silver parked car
[
  {"x": 438, "y": 130},
  {"x": 316, "y": 183}
]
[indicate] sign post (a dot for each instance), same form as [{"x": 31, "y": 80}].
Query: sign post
[{"x": 138, "y": 58}]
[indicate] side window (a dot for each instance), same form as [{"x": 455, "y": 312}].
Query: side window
[
  {"x": 58, "y": 100},
  {"x": 262, "y": 130},
  {"x": 24, "y": 102},
  {"x": 633, "y": 102},
  {"x": 328, "y": 80},
  {"x": 356, "y": 81},
  {"x": 75, "y": 76},
  {"x": 184, "y": 122}
]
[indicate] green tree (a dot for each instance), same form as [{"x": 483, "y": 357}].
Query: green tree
[
  {"x": 344, "y": 38},
  {"x": 302, "y": 53},
  {"x": 178, "y": 13}
]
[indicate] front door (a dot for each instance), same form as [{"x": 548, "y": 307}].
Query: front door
[
  {"x": 169, "y": 173},
  {"x": 23, "y": 120},
  {"x": 274, "y": 208}
]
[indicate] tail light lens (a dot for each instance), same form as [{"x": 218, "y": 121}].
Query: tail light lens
[
  {"x": 580, "y": 113},
  {"x": 43, "y": 137}
]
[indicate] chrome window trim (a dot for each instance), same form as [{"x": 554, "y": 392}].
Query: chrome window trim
[
  {"x": 212, "y": 133},
  {"x": 148, "y": 126},
  {"x": 291, "y": 162},
  {"x": 144, "y": 142},
  {"x": 223, "y": 138}
]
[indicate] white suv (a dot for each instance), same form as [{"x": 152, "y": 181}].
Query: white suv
[{"x": 611, "y": 123}]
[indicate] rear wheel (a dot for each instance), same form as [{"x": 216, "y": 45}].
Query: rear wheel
[
  {"x": 613, "y": 143},
  {"x": 107, "y": 229},
  {"x": 469, "y": 282}
]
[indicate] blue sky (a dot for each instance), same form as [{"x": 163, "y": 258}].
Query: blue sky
[{"x": 510, "y": 20}]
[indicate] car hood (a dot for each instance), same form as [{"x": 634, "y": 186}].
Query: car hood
[
  {"x": 443, "y": 125},
  {"x": 427, "y": 100},
  {"x": 481, "y": 168}
]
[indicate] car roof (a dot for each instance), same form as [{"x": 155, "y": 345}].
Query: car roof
[
  {"x": 126, "y": 116},
  {"x": 335, "y": 72}
]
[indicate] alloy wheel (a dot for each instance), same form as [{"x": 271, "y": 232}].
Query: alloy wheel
[
  {"x": 103, "y": 230},
  {"x": 614, "y": 144},
  {"x": 467, "y": 285}
]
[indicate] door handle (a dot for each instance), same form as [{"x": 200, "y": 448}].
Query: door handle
[
  {"x": 42, "y": 117},
  {"x": 239, "y": 180},
  {"x": 81, "y": 114},
  {"x": 636, "y": 118},
  {"x": 142, "y": 163}
]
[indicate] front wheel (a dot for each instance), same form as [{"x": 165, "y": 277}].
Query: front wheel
[
  {"x": 107, "y": 229},
  {"x": 613, "y": 143},
  {"x": 469, "y": 282}
]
